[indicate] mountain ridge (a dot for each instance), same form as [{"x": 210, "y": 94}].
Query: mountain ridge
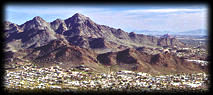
[
  {"x": 72, "y": 26},
  {"x": 77, "y": 25}
]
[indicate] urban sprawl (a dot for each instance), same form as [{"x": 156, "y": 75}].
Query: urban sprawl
[
  {"x": 30, "y": 77},
  {"x": 26, "y": 75}
]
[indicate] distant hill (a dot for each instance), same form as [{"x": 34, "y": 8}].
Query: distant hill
[
  {"x": 197, "y": 32},
  {"x": 150, "y": 32}
]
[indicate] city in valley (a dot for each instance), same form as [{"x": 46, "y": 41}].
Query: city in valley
[{"x": 78, "y": 54}]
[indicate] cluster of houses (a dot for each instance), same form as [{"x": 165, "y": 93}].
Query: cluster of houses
[
  {"x": 179, "y": 51},
  {"x": 201, "y": 62},
  {"x": 187, "y": 53},
  {"x": 54, "y": 77}
]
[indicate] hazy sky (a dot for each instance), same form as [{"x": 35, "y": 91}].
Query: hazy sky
[{"x": 127, "y": 17}]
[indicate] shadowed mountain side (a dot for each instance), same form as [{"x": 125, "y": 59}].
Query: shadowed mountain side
[{"x": 59, "y": 51}]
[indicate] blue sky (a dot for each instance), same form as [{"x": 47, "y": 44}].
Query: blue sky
[{"x": 130, "y": 18}]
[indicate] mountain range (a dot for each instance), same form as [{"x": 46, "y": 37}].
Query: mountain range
[{"x": 78, "y": 40}]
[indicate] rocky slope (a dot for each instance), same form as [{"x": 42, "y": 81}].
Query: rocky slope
[
  {"x": 167, "y": 40},
  {"x": 138, "y": 60},
  {"x": 33, "y": 33},
  {"x": 61, "y": 51}
]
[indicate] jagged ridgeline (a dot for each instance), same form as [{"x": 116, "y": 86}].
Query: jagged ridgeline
[{"x": 78, "y": 40}]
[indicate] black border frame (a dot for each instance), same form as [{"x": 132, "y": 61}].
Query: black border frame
[{"x": 108, "y": 2}]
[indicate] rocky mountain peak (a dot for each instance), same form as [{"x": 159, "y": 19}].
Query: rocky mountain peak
[
  {"x": 57, "y": 21},
  {"x": 7, "y": 22},
  {"x": 36, "y": 23},
  {"x": 132, "y": 34},
  {"x": 80, "y": 16},
  {"x": 77, "y": 18},
  {"x": 38, "y": 18},
  {"x": 9, "y": 25},
  {"x": 166, "y": 36},
  {"x": 56, "y": 24}
]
